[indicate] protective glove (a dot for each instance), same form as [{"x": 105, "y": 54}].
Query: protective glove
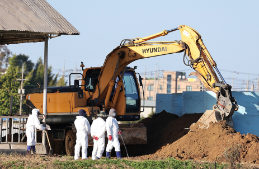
[
  {"x": 96, "y": 138},
  {"x": 110, "y": 137},
  {"x": 119, "y": 132},
  {"x": 93, "y": 137}
]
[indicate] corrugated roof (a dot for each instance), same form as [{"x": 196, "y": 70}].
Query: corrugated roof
[{"x": 31, "y": 21}]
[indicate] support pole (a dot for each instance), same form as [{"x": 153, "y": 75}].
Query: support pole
[
  {"x": 6, "y": 130},
  {"x": 21, "y": 89},
  {"x": 1, "y": 127},
  {"x": 23, "y": 127},
  {"x": 36, "y": 141},
  {"x": 12, "y": 131},
  {"x": 19, "y": 131},
  {"x": 45, "y": 88},
  {"x": 11, "y": 120}
]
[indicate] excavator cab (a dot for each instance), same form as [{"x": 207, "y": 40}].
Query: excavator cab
[
  {"x": 131, "y": 92},
  {"x": 91, "y": 79}
]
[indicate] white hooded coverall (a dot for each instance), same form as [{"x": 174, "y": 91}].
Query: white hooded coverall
[
  {"x": 82, "y": 130},
  {"x": 98, "y": 129},
  {"x": 112, "y": 129},
  {"x": 33, "y": 122}
]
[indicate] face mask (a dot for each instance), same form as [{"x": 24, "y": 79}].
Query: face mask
[{"x": 114, "y": 114}]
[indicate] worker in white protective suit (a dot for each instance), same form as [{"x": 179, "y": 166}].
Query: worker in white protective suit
[
  {"x": 82, "y": 130},
  {"x": 32, "y": 123},
  {"x": 112, "y": 129},
  {"x": 98, "y": 129}
]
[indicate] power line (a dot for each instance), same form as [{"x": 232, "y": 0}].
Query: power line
[{"x": 238, "y": 72}]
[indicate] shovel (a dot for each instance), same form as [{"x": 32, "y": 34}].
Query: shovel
[
  {"x": 124, "y": 145},
  {"x": 50, "y": 149}
]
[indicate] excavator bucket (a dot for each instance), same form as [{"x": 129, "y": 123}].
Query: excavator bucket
[{"x": 208, "y": 117}]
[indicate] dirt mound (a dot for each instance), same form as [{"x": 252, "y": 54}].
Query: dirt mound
[
  {"x": 217, "y": 143},
  {"x": 164, "y": 128}
]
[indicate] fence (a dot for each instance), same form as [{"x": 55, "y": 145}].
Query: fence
[{"x": 11, "y": 126}]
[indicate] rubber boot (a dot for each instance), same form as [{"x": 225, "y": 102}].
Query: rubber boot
[
  {"x": 33, "y": 150},
  {"x": 108, "y": 154},
  {"x": 118, "y": 154}
]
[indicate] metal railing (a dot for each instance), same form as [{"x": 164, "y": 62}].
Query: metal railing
[{"x": 11, "y": 126}]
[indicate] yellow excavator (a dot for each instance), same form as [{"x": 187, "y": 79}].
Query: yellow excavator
[{"x": 114, "y": 85}]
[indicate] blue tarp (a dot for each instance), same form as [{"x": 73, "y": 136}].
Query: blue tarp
[{"x": 245, "y": 119}]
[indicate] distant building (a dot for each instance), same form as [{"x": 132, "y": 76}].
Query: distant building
[
  {"x": 170, "y": 82},
  {"x": 147, "y": 107}
]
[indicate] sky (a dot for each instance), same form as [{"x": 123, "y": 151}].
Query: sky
[{"x": 229, "y": 30}]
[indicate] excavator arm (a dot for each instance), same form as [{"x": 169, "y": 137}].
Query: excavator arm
[{"x": 196, "y": 56}]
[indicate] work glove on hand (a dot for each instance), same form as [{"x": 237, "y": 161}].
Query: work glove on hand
[
  {"x": 96, "y": 138},
  {"x": 119, "y": 132},
  {"x": 110, "y": 137},
  {"x": 93, "y": 137}
]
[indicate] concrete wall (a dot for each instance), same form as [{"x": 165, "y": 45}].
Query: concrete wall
[
  {"x": 163, "y": 102},
  {"x": 246, "y": 119}
]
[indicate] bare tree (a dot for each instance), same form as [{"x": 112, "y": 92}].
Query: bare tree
[{"x": 4, "y": 56}]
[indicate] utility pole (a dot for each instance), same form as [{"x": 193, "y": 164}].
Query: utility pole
[
  {"x": 64, "y": 69},
  {"x": 252, "y": 87},
  {"x": 76, "y": 71},
  {"x": 233, "y": 80},
  {"x": 176, "y": 78},
  {"x": 158, "y": 81},
  {"x": 149, "y": 85},
  {"x": 22, "y": 91},
  {"x": 144, "y": 83},
  {"x": 154, "y": 88},
  {"x": 247, "y": 82}
]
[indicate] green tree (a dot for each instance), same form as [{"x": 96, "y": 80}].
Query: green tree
[
  {"x": 9, "y": 87},
  {"x": 18, "y": 60},
  {"x": 36, "y": 76},
  {"x": 62, "y": 82}
]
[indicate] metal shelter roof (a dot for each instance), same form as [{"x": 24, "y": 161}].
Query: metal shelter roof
[{"x": 24, "y": 21}]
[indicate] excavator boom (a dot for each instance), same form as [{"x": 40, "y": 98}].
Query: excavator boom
[{"x": 196, "y": 56}]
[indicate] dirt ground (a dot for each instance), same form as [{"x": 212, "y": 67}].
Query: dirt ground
[
  {"x": 171, "y": 136},
  {"x": 168, "y": 136}
]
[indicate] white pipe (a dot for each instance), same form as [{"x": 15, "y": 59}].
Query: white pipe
[{"x": 45, "y": 87}]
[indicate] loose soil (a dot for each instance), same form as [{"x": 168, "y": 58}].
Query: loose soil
[
  {"x": 168, "y": 137},
  {"x": 171, "y": 136}
]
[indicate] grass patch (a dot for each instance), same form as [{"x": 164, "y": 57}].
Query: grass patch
[
  {"x": 67, "y": 162},
  {"x": 148, "y": 164}
]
